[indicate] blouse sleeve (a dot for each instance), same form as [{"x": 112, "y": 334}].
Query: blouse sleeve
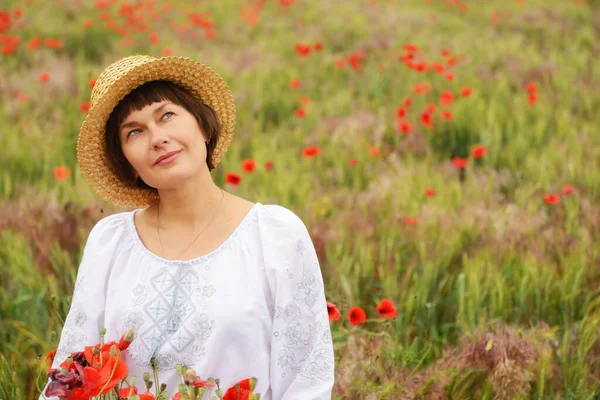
[
  {"x": 86, "y": 314},
  {"x": 302, "y": 358}
]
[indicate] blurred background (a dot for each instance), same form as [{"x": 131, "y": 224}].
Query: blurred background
[{"x": 444, "y": 155}]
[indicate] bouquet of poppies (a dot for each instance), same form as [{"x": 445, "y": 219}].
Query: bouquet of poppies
[{"x": 98, "y": 373}]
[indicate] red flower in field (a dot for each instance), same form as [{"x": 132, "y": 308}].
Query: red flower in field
[
  {"x": 34, "y": 43},
  {"x": 426, "y": 119},
  {"x": 404, "y": 126},
  {"x": 449, "y": 76},
  {"x": 233, "y": 178},
  {"x": 341, "y": 63},
  {"x": 460, "y": 162},
  {"x": 87, "y": 24},
  {"x": 447, "y": 115},
  {"x": 387, "y": 309},
  {"x": 167, "y": 51},
  {"x": 420, "y": 67},
  {"x": 84, "y": 106},
  {"x": 430, "y": 108},
  {"x": 407, "y": 102},
  {"x": 357, "y": 316},
  {"x": 401, "y": 112},
  {"x": 249, "y": 165},
  {"x": 210, "y": 34},
  {"x": 551, "y": 199},
  {"x": 422, "y": 88},
  {"x": 567, "y": 190},
  {"x": 429, "y": 192},
  {"x": 446, "y": 98},
  {"x": 61, "y": 173},
  {"x": 532, "y": 98},
  {"x": 438, "y": 67},
  {"x": 295, "y": 83},
  {"x": 268, "y": 165},
  {"x": 310, "y": 152},
  {"x": 445, "y": 52},
  {"x": 333, "y": 312},
  {"x": 353, "y": 162},
  {"x": 53, "y": 43},
  {"x": 318, "y": 46},
  {"x": 153, "y": 37},
  {"x": 374, "y": 151},
  {"x": 466, "y": 91},
  {"x": 92, "y": 83},
  {"x": 50, "y": 358},
  {"x": 304, "y": 100},
  {"x": 411, "y": 221},
  {"x": 478, "y": 151},
  {"x": 22, "y": 96},
  {"x": 411, "y": 48},
  {"x": 531, "y": 87},
  {"x": 354, "y": 60},
  {"x": 302, "y": 49},
  {"x": 301, "y": 112},
  {"x": 44, "y": 77},
  {"x": 147, "y": 396}
]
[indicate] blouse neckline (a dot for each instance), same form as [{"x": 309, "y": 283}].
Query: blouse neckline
[{"x": 236, "y": 232}]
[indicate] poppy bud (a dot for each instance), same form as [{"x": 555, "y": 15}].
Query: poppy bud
[
  {"x": 102, "y": 331},
  {"x": 113, "y": 350},
  {"x": 127, "y": 338},
  {"x": 178, "y": 369},
  {"x": 146, "y": 376},
  {"x": 252, "y": 383},
  {"x": 190, "y": 374},
  {"x": 219, "y": 393},
  {"x": 201, "y": 391},
  {"x": 96, "y": 350},
  {"x": 132, "y": 381}
]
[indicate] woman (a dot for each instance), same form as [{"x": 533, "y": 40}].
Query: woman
[{"x": 230, "y": 288}]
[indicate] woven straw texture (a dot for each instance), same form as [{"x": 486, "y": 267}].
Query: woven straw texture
[{"x": 112, "y": 85}]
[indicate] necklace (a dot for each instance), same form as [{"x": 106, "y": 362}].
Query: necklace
[{"x": 158, "y": 224}]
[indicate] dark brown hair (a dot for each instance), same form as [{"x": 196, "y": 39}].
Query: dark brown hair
[{"x": 142, "y": 96}]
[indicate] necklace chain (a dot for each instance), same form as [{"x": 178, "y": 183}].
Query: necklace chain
[{"x": 158, "y": 224}]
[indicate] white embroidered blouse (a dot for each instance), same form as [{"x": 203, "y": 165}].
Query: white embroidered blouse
[{"x": 254, "y": 307}]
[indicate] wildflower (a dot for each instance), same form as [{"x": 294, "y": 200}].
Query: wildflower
[
  {"x": 426, "y": 119},
  {"x": 429, "y": 192},
  {"x": 61, "y": 173},
  {"x": 446, "y": 98},
  {"x": 404, "y": 127},
  {"x": 127, "y": 392},
  {"x": 333, "y": 312},
  {"x": 300, "y": 112},
  {"x": 341, "y": 63},
  {"x": 466, "y": 91},
  {"x": 44, "y": 77},
  {"x": 447, "y": 115},
  {"x": 310, "y": 152},
  {"x": 401, "y": 112},
  {"x": 531, "y": 87},
  {"x": 268, "y": 165},
  {"x": 411, "y": 221},
  {"x": 242, "y": 390},
  {"x": 318, "y": 46},
  {"x": 84, "y": 106},
  {"x": 34, "y": 43},
  {"x": 478, "y": 151},
  {"x": 449, "y": 76},
  {"x": 460, "y": 162},
  {"x": 302, "y": 49},
  {"x": 357, "y": 316},
  {"x": 387, "y": 309},
  {"x": 407, "y": 102},
  {"x": 153, "y": 37},
  {"x": 532, "y": 98},
  {"x": 295, "y": 83},
  {"x": 233, "y": 178},
  {"x": 92, "y": 83},
  {"x": 304, "y": 100},
  {"x": 167, "y": 51},
  {"x": 249, "y": 165},
  {"x": 551, "y": 199},
  {"x": 374, "y": 151},
  {"x": 567, "y": 190},
  {"x": 353, "y": 162}
]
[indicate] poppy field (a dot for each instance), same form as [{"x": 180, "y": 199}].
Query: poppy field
[{"x": 444, "y": 155}]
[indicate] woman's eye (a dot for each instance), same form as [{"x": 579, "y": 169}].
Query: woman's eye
[
  {"x": 129, "y": 134},
  {"x": 168, "y": 112}
]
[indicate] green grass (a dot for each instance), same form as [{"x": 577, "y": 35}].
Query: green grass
[{"x": 497, "y": 292}]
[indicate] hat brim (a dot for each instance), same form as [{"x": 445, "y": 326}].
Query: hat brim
[{"x": 198, "y": 78}]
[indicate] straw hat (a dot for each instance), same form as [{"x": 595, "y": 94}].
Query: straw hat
[{"x": 112, "y": 85}]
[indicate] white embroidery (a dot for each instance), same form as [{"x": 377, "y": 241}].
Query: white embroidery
[
  {"x": 304, "y": 349},
  {"x": 173, "y": 316}
]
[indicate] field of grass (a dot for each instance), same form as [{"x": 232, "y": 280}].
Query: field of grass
[{"x": 443, "y": 154}]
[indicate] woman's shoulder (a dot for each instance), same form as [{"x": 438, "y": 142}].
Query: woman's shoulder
[
  {"x": 110, "y": 226},
  {"x": 276, "y": 216}
]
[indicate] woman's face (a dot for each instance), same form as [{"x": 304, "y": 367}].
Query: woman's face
[{"x": 158, "y": 129}]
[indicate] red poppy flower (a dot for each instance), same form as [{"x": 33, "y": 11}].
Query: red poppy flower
[
  {"x": 460, "y": 162},
  {"x": 355, "y": 59},
  {"x": 84, "y": 107},
  {"x": 567, "y": 190},
  {"x": 44, "y": 77},
  {"x": 447, "y": 115},
  {"x": 34, "y": 43},
  {"x": 268, "y": 165},
  {"x": 411, "y": 221},
  {"x": 353, "y": 162},
  {"x": 466, "y": 91},
  {"x": 147, "y": 396},
  {"x": 401, "y": 112},
  {"x": 304, "y": 100},
  {"x": 301, "y": 112},
  {"x": 53, "y": 43},
  {"x": 430, "y": 108},
  {"x": 318, "y": 46},
  {"x": 532, "y": 98},
  {"x": 426, "y": 119},
  {"x": 531, "y": 87},
  {"x": 404, "y": 126},
  {"x": 374, "y": 151},
  {"x": 422, "y": 88},
  {"x": 478, "y": 151},
  {"x": 50, "y": 357},
  {"x": 167, "y": 51},
  {"x": 387, "y": 309},
  {"x": 449, "y": 76},
  {"x": 438, "y": 67},
  {"x": 429, "y": 192},
  {"x": 357, "y": 316},
  {"x": 245, "y": 391},
  {"x": 92, "y": 83},
  {"x": 249, "y": 165},
  {"x": 302, "y": 49},
  {"x": 310, "y": 152},
  {"x": 551, "y": 199},
  {"x": 445, "y": 52},
  {"x": 446, "y": 98},
  {"x": 128, "y": 392},
  {"x": 233, "y": 179},
  {"x": 61, "y": 173},
  {"x": 295, "y": 83},
  {"x": 198, "y": 383},
  {"x": 333, "y": 312},
  {"x": 341, "y": 63},
  {"x": 407, "y": 102},
  {"x": 153, "y": 37}
]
